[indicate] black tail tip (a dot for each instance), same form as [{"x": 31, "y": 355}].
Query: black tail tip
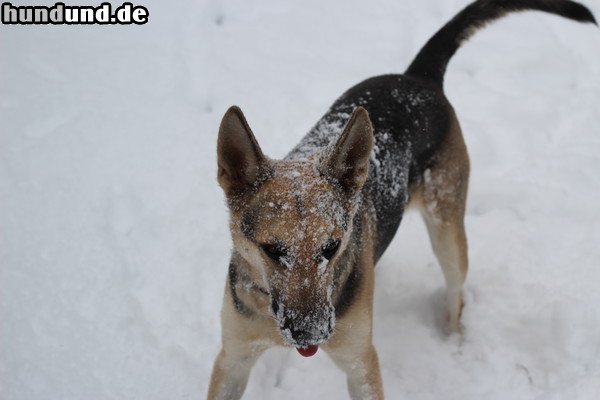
[{"x": 579, "y": 13}]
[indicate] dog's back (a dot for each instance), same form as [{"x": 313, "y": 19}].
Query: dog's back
[
  {"x": 410, "y": 114},
  {"x": 410, "y": 118}
]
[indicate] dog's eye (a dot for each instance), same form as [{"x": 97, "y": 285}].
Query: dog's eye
[
  {"x": 273, "y": 251},
  {"x": 330, "y": 249}
]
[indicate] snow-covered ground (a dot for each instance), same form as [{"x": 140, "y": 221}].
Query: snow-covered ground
[{"x": 113, "y": 231}]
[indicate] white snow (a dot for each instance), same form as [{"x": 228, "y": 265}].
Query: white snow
[{"x": 114, "y": 243}]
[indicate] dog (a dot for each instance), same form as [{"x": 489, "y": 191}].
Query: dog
[{"x": 308, "y": 230}]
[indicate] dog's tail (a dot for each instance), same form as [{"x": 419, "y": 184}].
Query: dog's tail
[{"x": 432, "y": 60}]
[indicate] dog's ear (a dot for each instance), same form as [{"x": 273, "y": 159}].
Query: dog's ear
[
  {"x": 348, "y": 163},
  {"x": 241, "y": 162}
]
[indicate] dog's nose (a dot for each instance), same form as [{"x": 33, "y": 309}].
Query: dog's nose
[{"x": 300, "y": 336}]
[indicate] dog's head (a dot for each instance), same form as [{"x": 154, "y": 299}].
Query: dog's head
[{"x": 292, "y": 220}]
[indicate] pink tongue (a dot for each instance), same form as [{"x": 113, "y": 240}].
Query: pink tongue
[{"x": 307, "y": 351}]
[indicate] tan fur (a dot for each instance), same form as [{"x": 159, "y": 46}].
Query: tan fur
[
  {"x": 351, "y": 348},
  {"x": 440, "y": 195},
  {"x": 306, "y": 233},
  {"x": 285, "y": 209},
  {"x": 303, "y": 205}
]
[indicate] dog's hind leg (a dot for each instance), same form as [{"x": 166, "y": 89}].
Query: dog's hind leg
[
  {"x": 449, "y": 243},
  {"x": 441, "y": 198}
]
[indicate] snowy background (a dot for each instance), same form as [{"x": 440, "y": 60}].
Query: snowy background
[{"x": 113, "y": 230}]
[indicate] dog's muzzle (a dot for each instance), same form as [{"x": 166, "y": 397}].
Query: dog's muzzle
[{"x": 302, "y": 328}]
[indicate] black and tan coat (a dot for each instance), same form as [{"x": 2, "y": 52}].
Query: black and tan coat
[{"x": 308, "y": 229}]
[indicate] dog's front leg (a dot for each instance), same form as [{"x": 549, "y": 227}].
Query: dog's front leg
[
  {"x": 362, "y": 371},
  {"x": 351, "y": 347},
  {"x": 235, "y": 361},
  {"x": 230, "y": 375},
  {"x": 243, "y": 342}
]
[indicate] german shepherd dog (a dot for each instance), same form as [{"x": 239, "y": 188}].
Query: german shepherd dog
[{"x": 307, "y": 230}]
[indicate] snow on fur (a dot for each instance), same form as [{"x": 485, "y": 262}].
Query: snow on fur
[{"x": 114, "y": 239}]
